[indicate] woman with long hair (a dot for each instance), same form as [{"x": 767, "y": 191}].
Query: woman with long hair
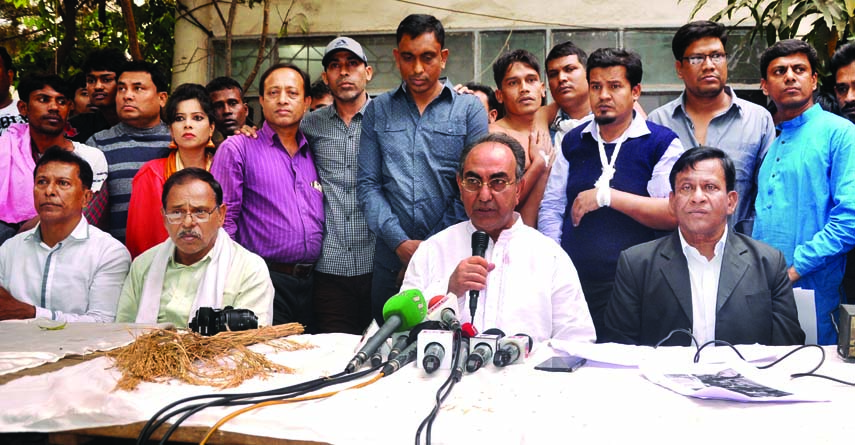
[{"x": 190, "y": 117}]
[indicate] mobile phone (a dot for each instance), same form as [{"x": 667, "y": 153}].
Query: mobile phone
[{"x": 563, "y": 363}]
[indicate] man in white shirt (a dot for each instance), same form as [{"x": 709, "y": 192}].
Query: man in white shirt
[
  {"x": 63, "y": 269},
  {"x": 526, "y": 282},
  {"x": 718, "y": 283}
]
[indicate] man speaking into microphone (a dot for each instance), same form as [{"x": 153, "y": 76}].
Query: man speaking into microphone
[{"x": 525, "y": 281}]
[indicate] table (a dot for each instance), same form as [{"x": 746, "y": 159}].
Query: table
[{"x": 599, "y": 403}]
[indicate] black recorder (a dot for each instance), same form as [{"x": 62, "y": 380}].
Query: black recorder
[{"x": 846, "y": 336}]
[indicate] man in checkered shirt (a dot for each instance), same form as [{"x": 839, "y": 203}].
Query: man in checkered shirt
[{"x": 342, "y": 288}]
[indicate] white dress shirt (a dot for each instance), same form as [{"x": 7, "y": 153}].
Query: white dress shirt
[
  {"x": 534, "y": 288},
  {"x": 704, "y": 275},
  {"x": 78, "y": 279}
]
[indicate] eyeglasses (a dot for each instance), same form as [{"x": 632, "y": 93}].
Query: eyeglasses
[
  {"x": 697, "y": 59},
  {"x": 199, "y": 216},
  {"x": 474, "y": 185}
]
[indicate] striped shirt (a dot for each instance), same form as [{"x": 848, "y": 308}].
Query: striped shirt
[
  {"x": 274, "y": 203},
  {"x": 127, "y": 148},
  {"x": 348, "y": 246}
]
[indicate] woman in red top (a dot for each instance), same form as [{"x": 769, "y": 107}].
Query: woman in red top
[{"x": 189, "y": 114}]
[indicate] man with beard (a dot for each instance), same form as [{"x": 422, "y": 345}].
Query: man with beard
[
  {"x": 614, "y": 194},
  {"x": 709, "y": 113},
  {"x": 198, "y": 265},
  {"x": 45, "y": 101},
  {"x": 342, "y": 292}
]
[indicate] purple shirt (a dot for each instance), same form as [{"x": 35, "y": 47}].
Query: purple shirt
[{"x": 274, "y": 203}]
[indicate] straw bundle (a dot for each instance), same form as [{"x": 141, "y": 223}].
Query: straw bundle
[{"x": 222, "y": 361}]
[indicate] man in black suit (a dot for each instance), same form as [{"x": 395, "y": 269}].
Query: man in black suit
[{"x": 720, "y": 284}]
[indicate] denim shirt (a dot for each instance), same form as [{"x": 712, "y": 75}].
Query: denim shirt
[
  {"x": 408, "y": 162},
  {"x": 744, "y": 131}
]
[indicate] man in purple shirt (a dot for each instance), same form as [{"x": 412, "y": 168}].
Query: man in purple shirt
[{"x": 274, "y": 202}]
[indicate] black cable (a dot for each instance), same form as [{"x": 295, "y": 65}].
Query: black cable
[
  {"x": 676, "y": 331},
  {"x": 163, "y": 416},
  {"x": 716, "y": 342},
  {"x": 440, "y": 397}
]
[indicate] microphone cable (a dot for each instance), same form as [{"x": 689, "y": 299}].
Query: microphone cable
[
  {"x": 175, "y": 409},
  {"x": 443, "y": 391},
  {"x": 811, "y": 373}
]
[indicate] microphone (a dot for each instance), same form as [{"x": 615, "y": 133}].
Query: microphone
[
  {"x": 479, "y": 248},
  {"x": 483, "y": 351},
  {"x": 399, "y": 345},
  {"x": 434, "y": 353},
  {"x": 406, "y": 356},
  {"x": 377, "y": 356},
  {"x": 511, "y": 349},
  {"x": 468, "y": 330},
  {"x": 444, "y": 308},
  {"x": 462, "y": 357},
  {"x": 401, "y": 312}
]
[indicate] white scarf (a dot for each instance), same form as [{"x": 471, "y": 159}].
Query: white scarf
[{"x": 211, "y": 287}]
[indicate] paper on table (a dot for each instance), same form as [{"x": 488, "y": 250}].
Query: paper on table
[
  {"x": 736, "y": 381},
  {"x": 806, "y": 305}
]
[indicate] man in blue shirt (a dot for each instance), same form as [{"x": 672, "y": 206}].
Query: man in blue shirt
[
  {"x": 709, "y": 113},
  {"x": 806, "y": 190},
  {"x": 411, "y": 141}
]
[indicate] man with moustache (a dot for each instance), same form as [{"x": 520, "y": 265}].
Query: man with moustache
[
  {"x": 519, "y": 89},
  {"x": 198, "y": 265},
  {"x": 274, "y": 201},
  {"x": 719, "y": 284},
  {"x": 565, "y": 72},
  {"x": 614, "y": 194},
  {"x": 709, "y": 113},
  {"x": 139, "y": 137},
  {"x": 806, "y": 190},
  {"x": 538, "y": 291},
  {"x": 342, "y": 288},
  {"x": 46, "y": 101},
  {"x": 63, "y": 269},
  {"x": 230, "y": 110},
  {"x": 411, "y": 141}
]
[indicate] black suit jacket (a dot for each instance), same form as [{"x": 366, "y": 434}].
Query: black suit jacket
[{"x": 653, "y": 295}]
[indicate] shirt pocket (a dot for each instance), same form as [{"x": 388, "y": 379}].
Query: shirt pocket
[{"x": 447, "y": 139}]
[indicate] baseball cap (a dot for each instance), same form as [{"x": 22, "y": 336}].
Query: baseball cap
[{"x": 345, "y": 43}]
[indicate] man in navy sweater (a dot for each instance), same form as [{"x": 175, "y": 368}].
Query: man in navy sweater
[{"x": 614, "y": 194}]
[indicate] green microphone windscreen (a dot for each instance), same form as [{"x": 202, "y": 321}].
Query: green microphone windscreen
[{"x": 410, "y": 306}]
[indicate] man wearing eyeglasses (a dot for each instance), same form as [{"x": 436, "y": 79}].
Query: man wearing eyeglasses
[
  {"x": 198, "y": 265},
  {"x": 526, "y": 282},
  {"x": 709, "y": 113}
]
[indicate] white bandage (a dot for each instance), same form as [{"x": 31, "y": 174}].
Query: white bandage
[{"x": 604, "y": 196}]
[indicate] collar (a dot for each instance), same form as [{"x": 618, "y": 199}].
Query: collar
[
  {"x": 173, "y": 264},
  {"x": 801, "y": 119},
  {"x": 80, "y": 232},
  {"x": 269, "y": 137},
  {"x": 637, "y": 128},
  {"x": 128, "y": 129},
  {"x": 447, "y": 89},
  {"x": 331, "y": 112},
  {"x": 719, "y": 246},
  {"x": 518, "y": 223},
  {"x": 734, "y": 103}
]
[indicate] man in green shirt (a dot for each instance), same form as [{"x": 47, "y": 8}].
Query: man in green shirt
[{"x": 198, "y": 265}]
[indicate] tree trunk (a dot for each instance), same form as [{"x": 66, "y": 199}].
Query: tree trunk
[
  {"x": 229, "y": 34},
  {"x": 131, "y": 24},
  {"x": 260, "y": 56},
  {"x": 68, "y": 12}
]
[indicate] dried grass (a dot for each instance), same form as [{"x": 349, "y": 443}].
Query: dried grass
[{"x": 222, "y": 361}]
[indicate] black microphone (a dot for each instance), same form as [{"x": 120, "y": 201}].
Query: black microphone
[
  {"x": 399, "y": 345},
  {"x": 479, "y": 248},
  {"x": 434, "y": 353},
  {"x": 406, "y": 356},
  {"x": 463, "y": 357},
  {"x": 483, "y": 351}
]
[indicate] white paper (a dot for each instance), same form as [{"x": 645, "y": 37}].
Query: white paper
[{"x": 735, "y": 381}]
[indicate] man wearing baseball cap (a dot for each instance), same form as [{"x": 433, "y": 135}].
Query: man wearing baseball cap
[{"x": 342, "y": 288}]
